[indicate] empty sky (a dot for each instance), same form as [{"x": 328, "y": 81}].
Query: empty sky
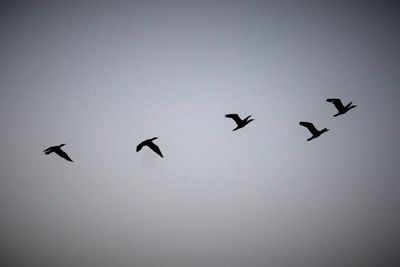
[{"x": 103, "y": 76}]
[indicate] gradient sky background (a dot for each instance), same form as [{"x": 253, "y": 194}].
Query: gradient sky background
[{"x": 103, "y": 76}]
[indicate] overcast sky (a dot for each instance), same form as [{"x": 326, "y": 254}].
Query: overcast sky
[{"x": 103, "y": 76}]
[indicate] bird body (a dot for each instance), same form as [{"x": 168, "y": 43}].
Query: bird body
[
  {"x": 58, "y": 151},
  {"x": 240, "y": 123},
  {"x": 315, "y": 133},
  {"x": 149, "y": 143},
  {"x": 339, "y": 106}
]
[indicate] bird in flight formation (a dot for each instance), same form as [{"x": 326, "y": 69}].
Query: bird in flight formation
[
  {"x": 341, "y": 110},
  {"x": 315, "y": 133},
  {"x": 240, "y": 123},
  {"x": 149, "y": 143},
  {"x": 339, "y": 106},
  {"x": 58, "y": 151}
]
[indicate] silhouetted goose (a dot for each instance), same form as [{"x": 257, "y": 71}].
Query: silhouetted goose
[
  {"x": 151, "y": 145},
  {"x": 240, "y": 123},
  {"x": 58, "y": 151},
  {"x": 315, "y": 133},
  {"x": 339, "y": 106}
]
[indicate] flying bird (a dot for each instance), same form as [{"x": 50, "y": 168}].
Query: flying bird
[
  {"x": 339, "y": 106},
  {"x": 315, "y": 133},
  {"x": 240, "y": 123},
  {"x": 58, "y": 151},
  {"x": 149, "y": 143}
]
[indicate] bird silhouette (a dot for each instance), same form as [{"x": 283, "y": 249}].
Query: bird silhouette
[
  {"x": 339, "y": 106},
  {"x": 315, "y": 133},
  {"x": 58, "y": 151},
  {"x": 149, "y": 143},
  {"x": 240, "y": 123}
]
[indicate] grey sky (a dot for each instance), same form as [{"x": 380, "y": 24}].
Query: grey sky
[{"x": 103, "y": 76}]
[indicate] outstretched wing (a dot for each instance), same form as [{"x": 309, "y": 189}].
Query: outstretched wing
[
  {"x": 234, "y": 117},
  {"x": 155, "y": 148},
  {"x": 139, "y": 146},
  {"x": 336, "y": 102},
  {"x": 63, "y": 154},
  {"x": 48, "y": 150},
  {"x": 349, "y": 105},
  {"x": 309, "y": 126}
]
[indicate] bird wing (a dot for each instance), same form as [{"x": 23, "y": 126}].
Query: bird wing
[
  {"x": 48, "y": 150},
  {"x": 348, "y": 106},
  {"x": 309, "y": 126},
  {"x": 139, "y": 146},
  {"x": 155, "y": 148},
  {"x": 234, "y": 117},
  {"x": 336, "y": 102},
  {"x": 63, "y": 154}
]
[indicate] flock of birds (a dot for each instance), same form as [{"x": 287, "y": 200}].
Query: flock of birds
[{"x": 239, "y": 122}]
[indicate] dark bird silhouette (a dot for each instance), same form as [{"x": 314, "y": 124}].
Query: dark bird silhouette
[
  {"x": 240, "y": 123},
  {"x": 339, "y": 106},
  {"x": 149, "y": 143},
  {"x": 315, "y": 133},
  {"x": 58, "y": 151}
]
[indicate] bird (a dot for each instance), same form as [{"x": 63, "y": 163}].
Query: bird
[
  {"x": 339, "y": 106},
  {"x": 58, "y": 151},
  {"x": 240, "y": 123},
  {"x": 315, "y": 133},
  {"x": 149, "y": 143}
]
